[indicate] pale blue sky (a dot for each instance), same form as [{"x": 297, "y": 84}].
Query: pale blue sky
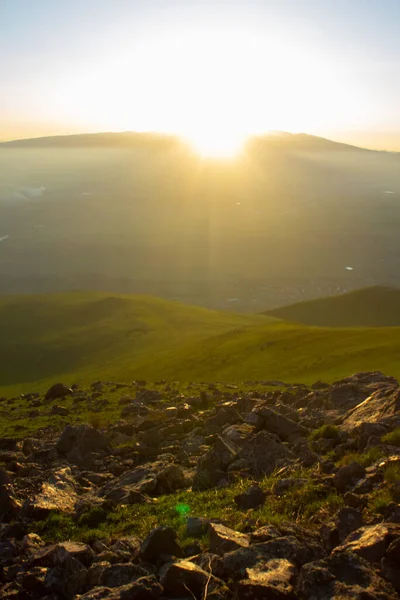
[{"x": 330, "y": 67}]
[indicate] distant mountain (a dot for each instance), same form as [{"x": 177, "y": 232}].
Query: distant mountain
[
  {"x": 369, "y": 307},
  {"x": 104, "y": 140},
  {"x": 274, "y": 141}
]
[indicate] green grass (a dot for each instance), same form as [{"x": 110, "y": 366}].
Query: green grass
[
  {"x": 365, "y": 459},
  {"x": 392, "y": 438},
  {"x": 326, "y": 432},
  {"x": 82, "y": 337},
  {"x": 310, "y": 504},
  {"x": 370, "y": 307},
  {"x": 392, "y": 474}
]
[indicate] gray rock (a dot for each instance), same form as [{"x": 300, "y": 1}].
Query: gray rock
[
  {"x": 264, "y": 452},
  {"x": 341, "y": 577},
  {"x": 160, "y": 541},
  {"x": 370, "y": 542},
  {"x": 58, "y": 390},
  {"x": 252, "y": 498},
  {"x": 57, "y": 494},
  {"x": 347, "y": 476},
  {"x": 183, "y": 577},
  {"x": 347, "y": 520},
  {"x": 144, "y": 588},
  {"x": 286, "y": 429},
  {"x": 271, "y": 579},
  {"x": 9, "y": 504},
  {"x": 223, "y": 540}
]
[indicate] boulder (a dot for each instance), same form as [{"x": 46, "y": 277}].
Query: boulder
[
  {"x": 57, "y": 494},
  {"x": 183, "y": 577},
  {"x": 370, "y": 542},
  {"x": 381, "y": 405},
  {"x": 160, "y": 541},
  {"x": 9, "y": 504},
  {"x": 226, "y": 415},
  {"x": 156, "y": 478},
  {"x": 264, "y": 452},
  {"x": 144, "y": 588},
  {"x": 271, "y": 579},
  {"x": 117, "y": 575},
  {"x": 223, "y": 540},
  {"x": 78, "y": 442},
  {"x": 286, "y": 429},
  {"x": 212, "y": 466},
  {"x": 58, "y": 390},
  {"x": 347, "y": 520},
  {"x": 347, "y": 476},
  {"x": 196, "y": 526},
  {"x": 285, "y": 484},
  {"x": 252, "y": 498},
  {"x": 343, "y": 576}
]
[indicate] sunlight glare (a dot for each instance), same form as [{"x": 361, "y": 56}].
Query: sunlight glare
[{"x": 212, "y": 88}]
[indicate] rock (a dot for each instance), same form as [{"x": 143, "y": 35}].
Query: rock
[
  {"x": 271, "y": 579},
  {"x": 347, "y": 476},
  {"x": 9, "y": 504},
  {"x": 183, "y": 577},
  {"x": 370, "y": 542},
  {"x": 264, "y": 452},
  {"x": 4, "y": 477},
  {"x": 117, "y": 575},
  {"x": 196, "y": 526},
  {"x": 144, "y": 588},
  {"x": 156, "y": 478},
  {"x": 237, "y": 435},
  {"x": 264, "y": 534},
  {"x": 160, "y": 541},
  {"x": 286, "y": 429},
  {"x": 347, "y": 520},
  {"x": 81, "y": 552},
  {"x": 382, "y": 404},
  {"x": 57, "y": 494},
  {"x": 67, "y": 576},
  {"x": 77, "y": 442},
  {"x": 226, "y": 415},
  {"x": 60, "y": 411},
  {"x": 33, "y": 582},
  {"x": 212, "y": 466},
  {"x": 223, "y": 540},
  {"x": 284, "y": 485},
  {"x": 58, "y": 390},
  {"x": 343, "y": 576},
  {"x": 131, "y": 545},
  {"x": 252, "y": 498},
  {"x": 235, "y": 563},
  {"x": 354, "y": 500}
]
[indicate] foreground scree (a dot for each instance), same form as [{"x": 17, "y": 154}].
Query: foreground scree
[{"x": 271, "y": 490}]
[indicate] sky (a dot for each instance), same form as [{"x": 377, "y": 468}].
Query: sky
[{"x": 213, "y": 71}]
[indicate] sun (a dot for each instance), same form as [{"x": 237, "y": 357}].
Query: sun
[
  {"x": 213, "y": 88},
  {"x": 215, "y": 143}
]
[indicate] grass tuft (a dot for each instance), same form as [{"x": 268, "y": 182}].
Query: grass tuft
[{"x": 392, "y": 438}]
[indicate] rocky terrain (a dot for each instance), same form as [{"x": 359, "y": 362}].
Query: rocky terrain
[{"x": 283, "y": 492}]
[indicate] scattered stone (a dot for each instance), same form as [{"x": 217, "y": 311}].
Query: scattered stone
[
  {"x": 58, "y": 390},
  {"x": 223, "y": 540},
  {"x": 160, "y": 541},
  {"x": 370, "y": 542},
  {"x": 252, "y": 498},
  {"x": 344, "y": 575}
]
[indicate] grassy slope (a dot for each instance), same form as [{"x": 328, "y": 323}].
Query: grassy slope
[
  {"x": 83, "y": 337},
  {"x": 369, "y": 307}
]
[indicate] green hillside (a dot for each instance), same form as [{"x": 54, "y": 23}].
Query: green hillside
[
  {"x": 369, "y": 307},
  {"x": 82, "y": 337}
]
